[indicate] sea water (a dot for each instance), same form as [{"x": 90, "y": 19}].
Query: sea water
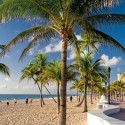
[{"x": 23, "y": 96}]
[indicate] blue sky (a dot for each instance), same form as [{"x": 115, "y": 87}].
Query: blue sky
[{"x": 114, "y": 58}]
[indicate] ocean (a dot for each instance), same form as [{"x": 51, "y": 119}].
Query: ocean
[{"x": 23, "y": 96}]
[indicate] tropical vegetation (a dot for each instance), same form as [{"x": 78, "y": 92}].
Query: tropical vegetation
[{"x": 62, "y": 18}]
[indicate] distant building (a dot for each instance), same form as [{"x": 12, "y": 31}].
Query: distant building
[
  {"x": 121, "y": 77},
  {"x": 110, "y": 2}
]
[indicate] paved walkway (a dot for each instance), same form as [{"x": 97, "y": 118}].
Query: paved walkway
[{"x": 121, "y": 114}]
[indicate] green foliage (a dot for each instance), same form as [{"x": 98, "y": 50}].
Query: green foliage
[
  {"x": 4, "y": 69},
  {"x": 61, "y": 17},
  {"x": 95, "y": 72}
]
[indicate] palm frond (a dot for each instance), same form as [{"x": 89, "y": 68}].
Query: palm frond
[
  {"x": 107, "y": 19},
  {"x": 34, "y": 32},
  {"x": 2, "y": 46},
  {"x": 4, "y": 69},
  {"x": 106, "y": 39},
  {"x": 31, "y": 10}
]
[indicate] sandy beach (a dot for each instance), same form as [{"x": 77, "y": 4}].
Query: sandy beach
[{"x": 33, "y": 114}]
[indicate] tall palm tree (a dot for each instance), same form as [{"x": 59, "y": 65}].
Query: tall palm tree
[
  {"x": 36, "y": 70},
  {"x": 62, "y": 17},
  {"x": 96, "y": 82},
  {"x": 29, "y": 72},
  {"x": 40, "y": 63},
  {"x": 53, "y": 72},
  {"x": 87, "y": 69}
]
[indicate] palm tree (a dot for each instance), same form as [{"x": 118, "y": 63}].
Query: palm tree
[
  {"x": 78, "y": 85},
  {"x": 3, "y": 68},
  {"x": 61, "y": 17},
  {"x": 53, "y": 72},
  {"x": 87, "y": 69},
  {"x": 29, "y": 72},
  {"x": 119, "y": 87},
  {"x": 35, "y": 70},
  {"x": 87, "y": 42}
]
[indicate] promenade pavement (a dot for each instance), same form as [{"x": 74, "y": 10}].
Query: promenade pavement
[{"x": 121, "y": 114}]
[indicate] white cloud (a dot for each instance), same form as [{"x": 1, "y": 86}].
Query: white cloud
[
  {"x": 7, "y": 79},
  {"x": 110, "y": 62},
  {"x": 33, "y": 50},
  {"x": 52, "y": 47},
  {"x": 3, "y": 86},
  {"x": 16, "y": 86},
  {"x": 71, "y": 55}
]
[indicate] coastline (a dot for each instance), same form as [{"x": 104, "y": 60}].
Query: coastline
[
  {"x": 24, "y": 96},
  {"x": 33, "y": 114}
]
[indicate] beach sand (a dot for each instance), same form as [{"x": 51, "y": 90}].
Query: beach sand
[{"x": 33, "y": 114}]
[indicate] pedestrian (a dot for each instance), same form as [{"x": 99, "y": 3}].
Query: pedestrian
[
  {"x": 71, "y": 98},
  {"x": 26, "y": 100},
  {"x": 7, "y": 102},
  {"x": 30, "y": 99}
]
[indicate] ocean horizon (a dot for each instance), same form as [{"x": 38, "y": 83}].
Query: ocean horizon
[{"x": 24, "y": 96}]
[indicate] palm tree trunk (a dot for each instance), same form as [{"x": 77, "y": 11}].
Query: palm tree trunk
[
  {"x": 83, "y": 97},
  {"x": 77, "y": 94},
  {"x": 58, "y": 96},
  {"x": 85, "y": 92},
  {"x": 62, "y": 116},
  {"x": 41, "y": 104},
  {"x": 50, "y": 94},
  {"x": 40, "y": 89},
  {"x": 122, "y": 95},
  {"x": 41, "y": 98},
  {"x": 43, "y": 101},
  {"x": 91, "y": 94}
]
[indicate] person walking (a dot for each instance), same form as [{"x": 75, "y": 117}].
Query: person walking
[
  {"x": 71, "y": 98},
  {"x": 26, "y": 101},
  {"x": 7, "y": 102}
]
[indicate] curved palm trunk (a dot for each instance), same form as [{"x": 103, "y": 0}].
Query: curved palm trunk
[
  {"x": 91, "y": 94},
  {"x": 62, "y": 116},
  {"x": 58, "y": 97},
  {"x": 85, "y": 100},
  {"x": 43, "y": 101},
  {"x": 41, "y": 98},
  {"x": 83, "y": 97},
  {"x": 50, "y": 94}
]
